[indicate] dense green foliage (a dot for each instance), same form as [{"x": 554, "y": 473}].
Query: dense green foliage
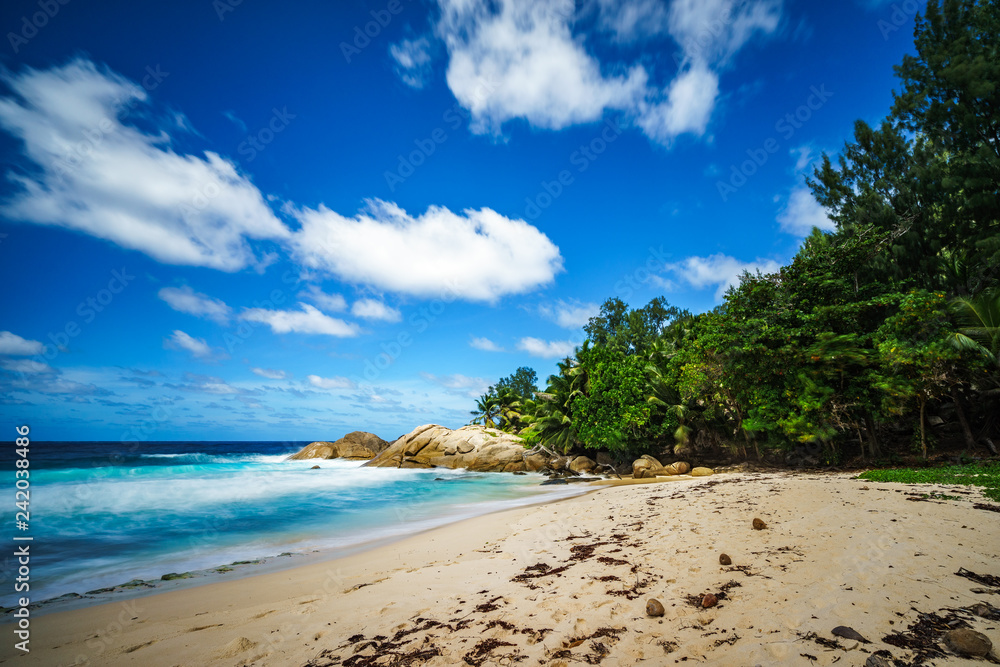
[
  {"x": 987, "y": 476},
  {"x": 865, "y": 335}
]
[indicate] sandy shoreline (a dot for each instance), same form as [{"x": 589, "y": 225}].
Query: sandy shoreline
[{"x": 568, "y": 582}]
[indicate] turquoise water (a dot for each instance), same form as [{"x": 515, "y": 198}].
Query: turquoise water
[{"x": 101, "y": 515}]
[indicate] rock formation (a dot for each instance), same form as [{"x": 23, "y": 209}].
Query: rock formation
[
  {"x": 472, "y": 447},
  {"x": 356, "y": 445}
]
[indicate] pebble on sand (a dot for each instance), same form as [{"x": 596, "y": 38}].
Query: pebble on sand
[
  {"x": 654, "y": 607},
  {"x": 758, "y": 524},
  {"x": 709, "y": 601},
  {"x": 724, "y": 559}
]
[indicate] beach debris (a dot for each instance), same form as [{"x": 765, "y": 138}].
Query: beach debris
[
  {"x": 724, "y": 559},
  {"x": 924, "y": 635},
  {"x": 758, "y": 524},
  {"x": 985, "y": 611},
  {"x": 654, "y": 607},
  {"x": 968, "y": 642},
  {"x": 880, "y": 659},
  {"x": 984, "y": 579},
  {"x": 986, "y": 506},
  {"x": 480, "y": 653},
  {"x": 709, "y": 600},
  {"x": 848, "y": 633}
]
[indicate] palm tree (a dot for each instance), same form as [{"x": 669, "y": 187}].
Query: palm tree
[
  {"x": 487, "y": 410},
  {"x": 979, "y": 333}
]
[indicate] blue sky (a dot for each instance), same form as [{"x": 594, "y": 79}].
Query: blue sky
[{"x": 237, "y": 220}]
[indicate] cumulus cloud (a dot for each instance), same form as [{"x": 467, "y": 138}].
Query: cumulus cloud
[
  {"x": 331, "y": 383},
  {"x": 547, "y": 349},
  {"x": 196, "y": 346},
  {"x": 413, "y": 61},
  {"x": 307, "y": 320},
  {"x": 485, "y": 344},
  {"x": 802, "y": 213},
  {"x": 330, "y": 303},
  {"x": 372, "y": 309},
  {"x": 13, "y": 345},
  {"x": 94, "y": 173},
  {"x": 186, "y": 300},
  {"x": 476, "y": 255},
  {"x": 569, "y": 314},
  {"x": 269, "y": 373},
  {"x": 521, "y": 59},
  {"x": 718, "y": 270}
]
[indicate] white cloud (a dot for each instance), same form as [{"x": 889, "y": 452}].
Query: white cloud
[
  {"x": 478, "y": 255},
  {"x": 686, "y": 105},
  {"x": 721, "y": 271},
  {"x": 413, "y": 61},
  {"x": 712, "y": 31},
  {"x": 186, "y": 300},
  {"x": 521, "y": 59},
  {"x": 95, "y": 174},
  {"x": 308, "y": 320},
  {"x": 372, "y": 309},
  {"x": 331, "y": 383},
  {"x": 269, "y": 373},
  {"x": 547, "y": 349},
  {"x": 196, "y": 346},
  {"x": 630, "y": 20},
  {"x": 802, "y": 213},
  {"x": 459, "y": 384},
  {"x": 485, "y": 344},
  {"x": 570, "y": 314},
  {"x": 330, "y": 303},
  {"x": 26, "y": 366},
  {"x": 13, "y": 345}
]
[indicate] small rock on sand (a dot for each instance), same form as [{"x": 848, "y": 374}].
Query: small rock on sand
[
  {"x": 702, "y": 472},
  {"x": 314, "y": 468},
  {"x": 709, "y": 601},
  {"x": 724, "y": 559},
  {"x": 880, "y": 659},
  {"x": 654, "y": 607},
  {"x": 758, "y": 524},
  {"x": 968, "y": 642},
  {"x": 848, "y": 633}
]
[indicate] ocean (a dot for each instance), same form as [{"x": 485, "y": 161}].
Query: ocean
[{"x": 106, "y": 513}]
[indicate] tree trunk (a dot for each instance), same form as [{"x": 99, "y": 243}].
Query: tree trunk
[
  {"x": 923, "y": 431},
  {"x": 873, "y": 444},
  {"x": 970, "y": 442}
]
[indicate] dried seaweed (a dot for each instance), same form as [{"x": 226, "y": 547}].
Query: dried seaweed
[
  {"x": 984, "y": 579},
  {"x": 481, "y": 651}
]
